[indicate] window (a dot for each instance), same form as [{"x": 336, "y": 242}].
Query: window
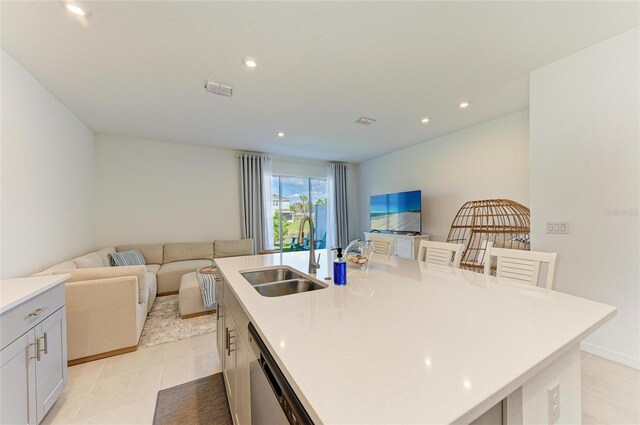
[{"x": 293, "y": 199}]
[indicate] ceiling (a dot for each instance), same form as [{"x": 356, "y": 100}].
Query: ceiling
[{"x": 137, "y": 68}]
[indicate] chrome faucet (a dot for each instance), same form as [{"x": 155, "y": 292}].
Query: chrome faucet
[{"x": 314, "y": 264}]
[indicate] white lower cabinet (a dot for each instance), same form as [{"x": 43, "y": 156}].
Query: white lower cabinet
[
  {"x": 33, "y": 359},
  {"x": 18, "y": 372},
  {"x": 234, "y": 357},
  {"x": 229, "y": 364},
  {"x": 51, "y": 368},
  {"x": 243, "y": 394}
]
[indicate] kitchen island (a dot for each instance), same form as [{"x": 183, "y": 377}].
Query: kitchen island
[{"x": 406, "y": 342}]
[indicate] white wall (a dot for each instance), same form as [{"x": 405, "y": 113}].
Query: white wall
[
  {"x": 490, "y": 160},
  {"x": 47, "y": 176},
  {"x": 149, "y": 191},
  {"x": 153, "y": 192},
  {"x": 585, "y": 157}
]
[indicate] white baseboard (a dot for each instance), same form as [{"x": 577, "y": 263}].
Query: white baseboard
[{"x": 610, "y": 355}]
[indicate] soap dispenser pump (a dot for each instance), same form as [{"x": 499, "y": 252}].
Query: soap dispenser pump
[{"x": 339, "y": 268}]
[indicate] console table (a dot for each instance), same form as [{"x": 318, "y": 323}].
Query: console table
[{"x": 406, "y": 246}]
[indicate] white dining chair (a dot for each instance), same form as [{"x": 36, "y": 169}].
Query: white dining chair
[
  {"x": 383, "y": 245},
  {"x": 441, "y": 253},
  {"x": 522, "y": 266}
]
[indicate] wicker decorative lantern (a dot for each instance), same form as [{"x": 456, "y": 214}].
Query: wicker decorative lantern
[{"x": 504, "y": 222}]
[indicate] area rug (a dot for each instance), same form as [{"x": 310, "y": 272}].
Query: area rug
[
  {"x": 165, "y": 325},
  {"x": 203, "y": 401}
]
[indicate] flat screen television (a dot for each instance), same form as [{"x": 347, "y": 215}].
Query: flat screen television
[{"x": 397, "y": 212}]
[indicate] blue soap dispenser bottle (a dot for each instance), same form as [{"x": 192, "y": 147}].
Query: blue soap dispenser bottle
[{"x": 339, "y": 268}]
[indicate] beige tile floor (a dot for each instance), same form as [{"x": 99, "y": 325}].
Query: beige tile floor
[{"x": 122, "y": 389}]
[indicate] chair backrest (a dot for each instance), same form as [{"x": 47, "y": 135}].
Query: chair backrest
[
  {"x": 383, "y": 245},
  {"x": 441, "y": 253},
  {"x": 522, "y": 266}
]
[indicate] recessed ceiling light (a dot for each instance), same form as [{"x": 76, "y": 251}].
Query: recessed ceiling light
[
  {"x": 280, "y": 134},
  {"x": 425, "y": 120},
  {"x": 75, "y": 8},
  {"x": 463, "y": 105},
  {"x": 249, "y": 62}
]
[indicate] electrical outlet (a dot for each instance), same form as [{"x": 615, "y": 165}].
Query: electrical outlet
[
  {"x": 554, "y": 403},
  {"x": 557, "y": 227}
]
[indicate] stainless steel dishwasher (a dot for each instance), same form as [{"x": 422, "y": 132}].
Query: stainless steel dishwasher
[{"x": 273, "y": 401}]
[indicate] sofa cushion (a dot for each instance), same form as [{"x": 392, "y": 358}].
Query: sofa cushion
[
  {"x": 104, "y": 253},
  {"x": 88, "y": 261},
  {"x": 233, "y": 248},
  {"x": 133, "y": 257},
  {"x": 153, "y": 268},
  {"x": 152, "y": 252},
  {"x": 65, "y": 265},
  {"x": 170, "y": 273},
  {"x": 188, "y": 251},
  {"x": 99, "y": 273}
]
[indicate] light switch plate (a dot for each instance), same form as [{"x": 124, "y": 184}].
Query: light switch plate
[{"x": 557, "y": 227}]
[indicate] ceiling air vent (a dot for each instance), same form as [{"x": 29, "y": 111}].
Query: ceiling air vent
[
  {"x": 365, "y": 121},
  {"x": 217, "y": 87}
]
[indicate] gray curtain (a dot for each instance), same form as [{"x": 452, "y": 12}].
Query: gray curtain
[
  {"x": 338, "y": 217},
  {"x": 255, "y": 199}
]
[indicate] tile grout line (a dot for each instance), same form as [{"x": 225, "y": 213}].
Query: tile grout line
[
  {"x": 155, "y": 397},
  {"x": 93, "y": 383}
]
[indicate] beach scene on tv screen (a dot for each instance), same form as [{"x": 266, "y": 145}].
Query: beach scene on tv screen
[{"x": 399, "y": 212}]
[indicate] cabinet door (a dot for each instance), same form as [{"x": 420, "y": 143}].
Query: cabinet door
[
  {"x": 243, "y": 392},
  {"x": 229, "y": 354},
  {"x": 18, "y": 381},
  {"x": 220, "y": 332},
  {"x": 51, "y": 369},
  {"x": 404, "y": 248}
]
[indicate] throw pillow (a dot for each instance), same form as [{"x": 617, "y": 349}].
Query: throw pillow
[
  {"x": 133, "y": 257},
  {"x": 207, "y": 283}
]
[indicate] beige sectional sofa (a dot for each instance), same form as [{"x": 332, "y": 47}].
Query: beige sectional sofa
[{"x": 107, "y": 306}]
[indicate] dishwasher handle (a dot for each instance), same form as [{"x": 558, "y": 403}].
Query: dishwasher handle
[{"x": 272, "y": 379}]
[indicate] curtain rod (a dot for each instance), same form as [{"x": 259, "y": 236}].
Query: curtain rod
[{"x": 293, "y": 159}]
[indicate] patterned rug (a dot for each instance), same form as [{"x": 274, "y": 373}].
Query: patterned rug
[{"x": 165, "y": 325}]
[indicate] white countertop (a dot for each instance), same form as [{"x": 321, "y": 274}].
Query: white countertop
[
  {"x": 407, "y": 342},
  {"x": 14, "y": 292}
]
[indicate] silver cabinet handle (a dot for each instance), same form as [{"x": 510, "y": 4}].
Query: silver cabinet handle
[
  {"x": 229, "y": 336},
  {"x": 37, "y": 344},
  {"x": 37, "y": 351},
  {"x": 36, "y": 312},
  {"x": 229, "y": 351},
  {"x": 46, "y": 344}
]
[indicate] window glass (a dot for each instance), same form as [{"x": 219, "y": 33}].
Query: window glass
[{"x": 293, "y": 199}]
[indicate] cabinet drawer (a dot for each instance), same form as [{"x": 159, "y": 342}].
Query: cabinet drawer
[{"x": 25, "y": 316}]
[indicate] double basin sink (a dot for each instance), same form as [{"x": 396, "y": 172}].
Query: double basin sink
[{"x": 280, "y": 281}]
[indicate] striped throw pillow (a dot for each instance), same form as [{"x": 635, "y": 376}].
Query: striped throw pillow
[
  {"x": 207, "y": 283},
  {"x": 133, "y": 257}
]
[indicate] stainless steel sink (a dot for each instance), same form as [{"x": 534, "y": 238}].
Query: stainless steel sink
[
  {"x": 287, "y": 287},
  {"x": 259, "y": 277},
  {"x": 280, "y": 281}
]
